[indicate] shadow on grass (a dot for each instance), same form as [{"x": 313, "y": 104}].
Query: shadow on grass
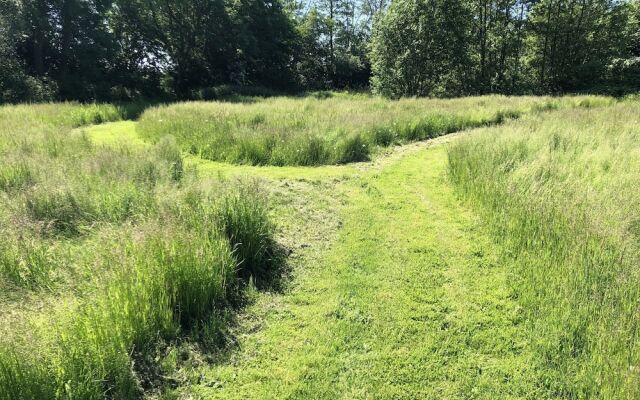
[{"x": 168, "y": 365}]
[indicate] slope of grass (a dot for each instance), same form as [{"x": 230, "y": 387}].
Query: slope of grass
[
  {"x": 107, "y": 252},
  {"x": 561, "y": 191},
  {"x": 340, "y": 129}
]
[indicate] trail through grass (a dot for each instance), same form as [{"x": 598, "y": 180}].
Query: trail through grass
[
  {"x": 410, "y": 302},
  {"x": 394, "y": 287}
]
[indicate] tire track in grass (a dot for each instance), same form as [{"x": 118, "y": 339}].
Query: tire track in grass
[{"x": 411, "y": 301}]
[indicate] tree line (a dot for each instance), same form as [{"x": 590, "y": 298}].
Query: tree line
[
  {"x": 458, "y": 47},
  {"x": 109, "y": 50}
]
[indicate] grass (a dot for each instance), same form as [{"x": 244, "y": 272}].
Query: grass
[
  {"x": 406, "y": 300},
  {"x": 120, "y": 249},
  {"x": 561, "y": 191},
  {"x": 336, "y": 130},
  {"x": 127, "y": 248}
]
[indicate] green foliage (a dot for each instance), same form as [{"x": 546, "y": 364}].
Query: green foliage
[
  {"x": 129, "y": 50},
  {"x": 430, "y": 48},
  {"x": 332, "y": 46},
  {"x": 15, "y": 83},
  {"x": 419, "y": 48},
  {"x": 568, "y": 50},
  {"x": 560, "y": 193}
]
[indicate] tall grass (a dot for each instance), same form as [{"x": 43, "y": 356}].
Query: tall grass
[
  {"x": 127, "y": 247},
  {"x": 561, "y": 191},
  {"x": 338, "y": 129}
]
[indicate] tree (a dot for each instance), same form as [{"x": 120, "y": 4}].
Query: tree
[
  {"x": 201, "y": 43},
  {"x": 333, "y": 46},
  {"x": 190, "y": 41},
  {"x": 266, "y": 41},
  {"x": 125, "y": 49},
  {"x": 634, "y": 29},
  {"x": 370, "y": 9},
  {"x": 421, "y": 48},
  {"x": 624, "y": 70},
  {"x": 70, "y": 41},
  {"x": 573, "y": 41},
  {"x": 15, "y": 82},
  {"x": 314, "y": 63},
  {"x": 497, "y": 38}
]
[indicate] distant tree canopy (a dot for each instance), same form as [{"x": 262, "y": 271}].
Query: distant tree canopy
[
  {"x": 129, "y": 49},
  {"x": 454, "y": 47}
]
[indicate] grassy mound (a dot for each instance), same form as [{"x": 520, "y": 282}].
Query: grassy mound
[
  {"x": 334, "y": 130},
  {"x": 562, "y": 193}
]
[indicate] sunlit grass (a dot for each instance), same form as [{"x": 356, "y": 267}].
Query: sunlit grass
[
  {"x": 340, "y": 129},
  {"x": 561, "y": 192},
  {"x": 127, "y": 249},
  {"x": 112, "y": 245}
]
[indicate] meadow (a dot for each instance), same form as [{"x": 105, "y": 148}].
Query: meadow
[
  {"x": 561, "y": 194},
  {"x": 329, "y": 128},
  {"x": 187, "y": 251},
  {"x": 105, "y": 253}
]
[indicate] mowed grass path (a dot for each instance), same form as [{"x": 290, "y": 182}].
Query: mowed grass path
[{"x": 410, "y": 302}]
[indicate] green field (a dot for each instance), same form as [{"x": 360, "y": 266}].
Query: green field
[
  {"x": 321, "y": 247},
  {"x": 333, "y": 129}
]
